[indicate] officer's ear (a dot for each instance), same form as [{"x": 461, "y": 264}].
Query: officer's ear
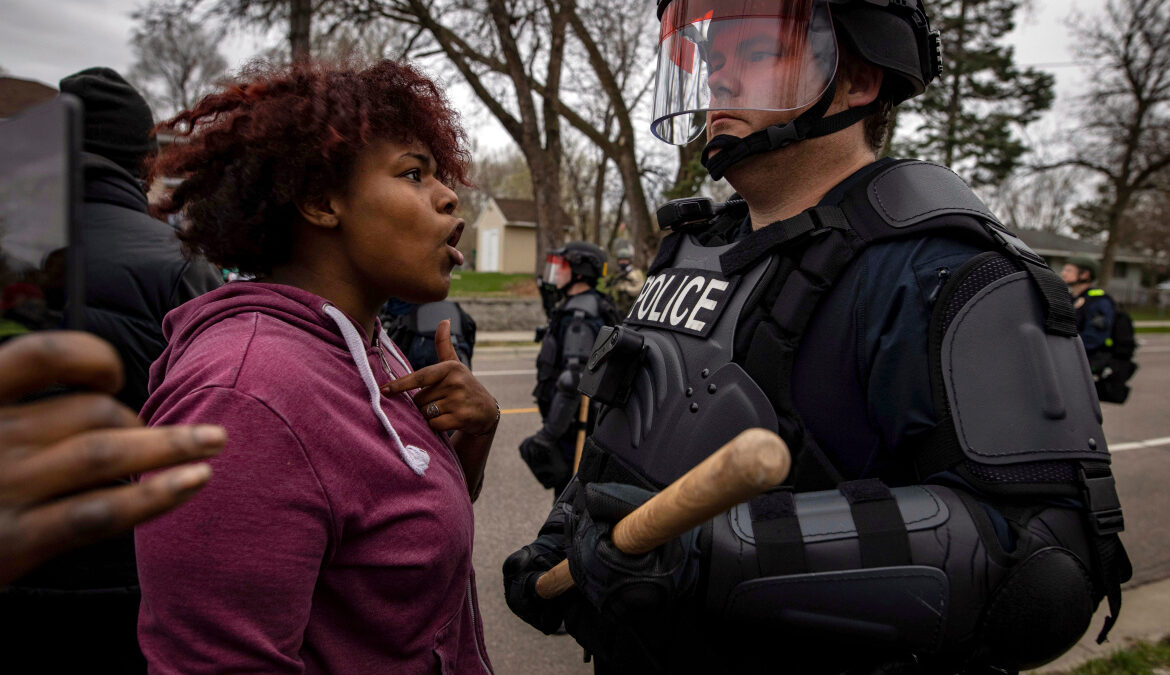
[{"x": 862, "y": 82}]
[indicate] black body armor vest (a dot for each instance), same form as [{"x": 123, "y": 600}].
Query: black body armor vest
[
  {"x": 675, "y": 394},
  {"x": 579, "y": 316}
]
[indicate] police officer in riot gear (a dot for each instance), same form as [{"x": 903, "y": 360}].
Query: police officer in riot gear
[
  {"x": 951, "y": 508},
  {"x": 577, "y": 311}
]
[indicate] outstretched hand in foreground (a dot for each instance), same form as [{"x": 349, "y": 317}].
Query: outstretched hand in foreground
[{"x": 60, "y": 455}]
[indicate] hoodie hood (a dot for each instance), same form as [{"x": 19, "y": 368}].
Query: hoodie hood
[
  {"x": 303, "y": 310},
  {"x": 291, "y": 305}
]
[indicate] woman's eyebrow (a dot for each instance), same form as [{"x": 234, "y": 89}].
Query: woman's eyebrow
[{"x": 427, "y": 161}]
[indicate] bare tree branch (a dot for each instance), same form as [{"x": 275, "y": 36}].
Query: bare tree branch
[{"x": 1125, "y": 134}]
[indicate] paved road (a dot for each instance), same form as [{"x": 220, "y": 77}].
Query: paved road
[{"x": 513, "y": 505}]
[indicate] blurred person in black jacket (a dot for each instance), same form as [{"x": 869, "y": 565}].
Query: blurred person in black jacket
[
  {"x": 134, "y": 270},
  {"x": 135, "y": 273}
]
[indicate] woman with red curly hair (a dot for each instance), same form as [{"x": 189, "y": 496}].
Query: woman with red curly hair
[{"x": 336, "y": 535}]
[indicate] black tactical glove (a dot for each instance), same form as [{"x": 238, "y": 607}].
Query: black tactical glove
[
  {"x": 524, "y": 567},
  {"x": 543, "y": 456},
  {"x": 618, "y": 649},
  {"x": 625, "y": 588}
]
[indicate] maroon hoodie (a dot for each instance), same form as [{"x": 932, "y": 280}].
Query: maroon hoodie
[{"x": 335, "y": 534}]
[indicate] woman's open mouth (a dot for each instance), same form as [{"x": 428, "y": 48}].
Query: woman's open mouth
[{"x": 453, "y": 241}]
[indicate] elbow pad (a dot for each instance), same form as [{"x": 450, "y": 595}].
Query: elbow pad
[
  {"x": 562, "y": 411},
  {"x": 915, "y": 570}
]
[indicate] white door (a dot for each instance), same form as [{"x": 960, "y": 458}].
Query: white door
[{"x": 488, "y": 258}]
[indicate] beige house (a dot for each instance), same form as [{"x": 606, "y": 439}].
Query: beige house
[{"x": 506, "y": 236}]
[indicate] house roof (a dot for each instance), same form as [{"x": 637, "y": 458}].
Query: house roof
[
  {"x": 17, "y": 94},
  {"x": 521, "y": 211},
  {"x": 1059, "y": 246},
  {"x": 518, "y": 210}
]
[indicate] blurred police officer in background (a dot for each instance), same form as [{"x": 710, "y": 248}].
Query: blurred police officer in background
[
  {"x": 1095, "y": 309},
  {"x": 1105, "y": 329},
  {"x": 626, "y": 282},
  {"x": 576, "y": 312},
  {"x": 412, "y": 327}
]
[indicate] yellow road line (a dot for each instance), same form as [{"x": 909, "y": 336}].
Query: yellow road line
[{"x": 516, "y": 411}]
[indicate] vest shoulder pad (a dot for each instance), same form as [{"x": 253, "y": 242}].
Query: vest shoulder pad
[
  {"x": 914, "y": 196},
  {"x": 586, "y": 303},
  {"x": 1025, "y": 399}
]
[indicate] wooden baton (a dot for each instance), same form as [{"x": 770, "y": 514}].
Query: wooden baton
[
  {"x": 582, "y": 417},
  {"x": 747, "y": 465}
]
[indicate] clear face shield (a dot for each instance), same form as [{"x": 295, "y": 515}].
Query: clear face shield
[
  {"x": 557, "y": 271},
  {"x": 713, "y": 55}
]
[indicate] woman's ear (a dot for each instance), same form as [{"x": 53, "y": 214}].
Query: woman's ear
[
  {"x": 321, "y": 213},
  {"x": 864, "y": 82}
]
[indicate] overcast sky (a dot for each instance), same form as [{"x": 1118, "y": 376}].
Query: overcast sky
[{"x": 45, "y": 40}]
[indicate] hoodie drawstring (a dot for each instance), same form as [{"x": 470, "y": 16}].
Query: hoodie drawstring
[{"x": 415, "y": 457}]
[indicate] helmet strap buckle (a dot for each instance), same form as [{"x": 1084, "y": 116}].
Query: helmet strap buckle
[{"x": 782, "y": 136}]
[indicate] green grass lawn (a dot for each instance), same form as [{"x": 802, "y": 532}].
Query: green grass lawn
[
  {"x": 1142, "y": 658},
  {"x": 1148, "y": 312},
  {"x": 466, "y": 284}
]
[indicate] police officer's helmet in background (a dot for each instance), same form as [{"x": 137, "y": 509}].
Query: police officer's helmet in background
[
  {"x": 1086, "y": 264},
  {"x": 573, "y": 262},
  {"x": 623, "y": 250},
  {"x": 780, "y": 55}
]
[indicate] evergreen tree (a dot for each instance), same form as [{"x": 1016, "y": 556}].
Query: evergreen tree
[{"x": 969, "y": 118}]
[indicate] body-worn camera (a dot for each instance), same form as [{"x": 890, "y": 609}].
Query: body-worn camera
[{"x": 681, "y": 215}]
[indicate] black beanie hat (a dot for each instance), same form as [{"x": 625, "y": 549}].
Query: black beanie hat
[{"x": 117, "y": 119}]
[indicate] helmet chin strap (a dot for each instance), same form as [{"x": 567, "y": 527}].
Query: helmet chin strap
[{"x": 810, "y": 124}]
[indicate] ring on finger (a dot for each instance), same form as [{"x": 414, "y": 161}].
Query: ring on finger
[{"x": 431, "y": 411}]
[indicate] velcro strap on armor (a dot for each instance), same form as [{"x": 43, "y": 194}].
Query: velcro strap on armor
[
  {"x": 1105, "y": 521},
  {"x": 766, "y": 240},
  {"x": 1059, "y": 316},
  {"x": 881, "y": 530},
  {"x": 779, "y": 544},
  {"x": 1101, "y": 499},
  {"x": 936, "y": 450},
  {"x": 667, "y": 248},
  {"x": 1114, "y": 569}
]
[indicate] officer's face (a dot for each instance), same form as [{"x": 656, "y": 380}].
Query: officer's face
[
  {"x": 1071, "y": 274},
  {"x": 750, "y": 55}
]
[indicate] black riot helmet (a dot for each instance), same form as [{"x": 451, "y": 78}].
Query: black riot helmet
[
  {"x": 780, "y": 55},
  {"x": 573, "y": 262}
]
